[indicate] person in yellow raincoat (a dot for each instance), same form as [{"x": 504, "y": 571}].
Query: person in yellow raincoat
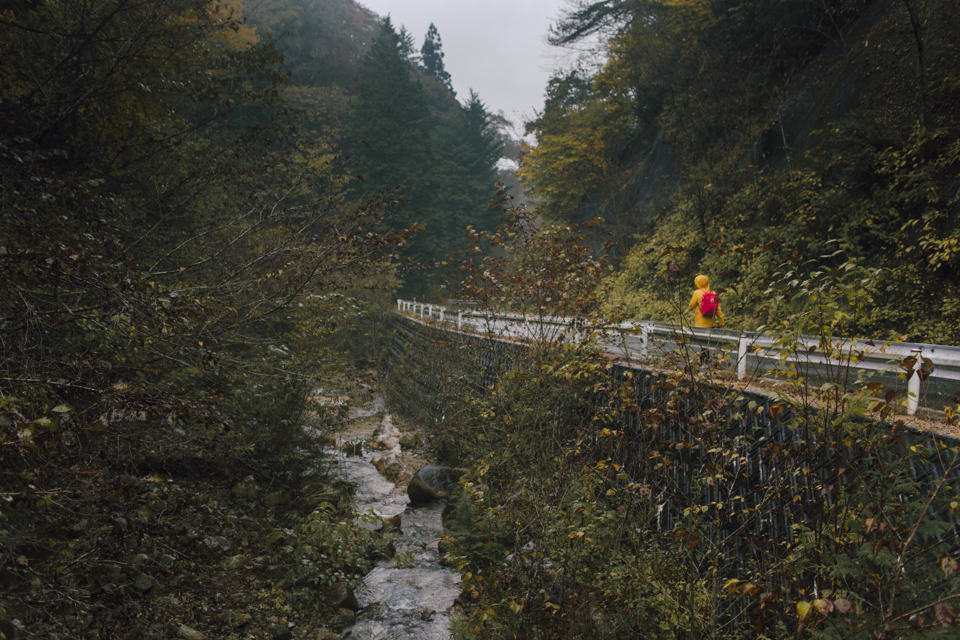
[{"x": 699, "y": 320}]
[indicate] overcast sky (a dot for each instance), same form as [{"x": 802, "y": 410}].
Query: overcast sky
[{"x": 497, "y": 48}]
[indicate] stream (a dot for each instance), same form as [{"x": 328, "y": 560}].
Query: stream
[{"x": 411, "y": 601}]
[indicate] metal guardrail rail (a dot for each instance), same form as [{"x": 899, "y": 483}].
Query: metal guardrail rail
[{"x": 928, "y": 373}]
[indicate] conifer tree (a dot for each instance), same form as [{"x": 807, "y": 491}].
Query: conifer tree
[
  {"x": 407, "y": 49},
  {"x": 416, "y": 136},
  {"x": 431, "y": 57},
  {"x": 389, "y": 125},
  {"x": 483, "y": 135},
  {"x": 484, "y": 147}
]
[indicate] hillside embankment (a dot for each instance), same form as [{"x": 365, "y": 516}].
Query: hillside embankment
[
  {"x": 139, "y": 532},
  {"x": 602, "y": 500}
]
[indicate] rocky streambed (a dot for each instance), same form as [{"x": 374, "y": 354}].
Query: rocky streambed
[{"x": 411, "y": 595}]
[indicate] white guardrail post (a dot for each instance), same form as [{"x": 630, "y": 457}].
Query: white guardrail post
[
  {"x": 459, "y": 320},
  {"x": 441, "y": 313},
  {"x": 742, "y": 358},
  {"x": 913, "y": 386},
  {"x": 644, "y": 340}
]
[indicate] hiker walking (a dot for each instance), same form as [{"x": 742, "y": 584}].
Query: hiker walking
[{"x": 705, "y": 304}]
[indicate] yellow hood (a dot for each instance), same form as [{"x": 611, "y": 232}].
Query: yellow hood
[{"x": 702, "y": 282}]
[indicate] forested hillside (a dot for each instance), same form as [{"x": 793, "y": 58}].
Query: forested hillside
[
  {"x": 192, "y": 223},
  {"x": 732, "y": 138},
  {"x": 396, "y": 121}
]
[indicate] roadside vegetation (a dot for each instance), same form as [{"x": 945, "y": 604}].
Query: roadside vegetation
[
  {"x": 180, "y": 267},
  {"x": 605, "y": 503},
  {"x": 748, "y": 134}
]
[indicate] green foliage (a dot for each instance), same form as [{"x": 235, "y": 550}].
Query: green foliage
[
  {"x": 747, "y": 115},
  {"x": 322, "y": 41},
  {"x": 579, "y": 140},
  {"x": 530, "y": 266},
  {"x": 431, "y": 57},
  {"x": 172, "y": 244},
  {"x": 395, "y": 131},
  {"x": 412, "y": 137},
  {"x": 331, "y": 548},
  {"x": 623, "y": 507},
  {"x": 363, "y": 92}
]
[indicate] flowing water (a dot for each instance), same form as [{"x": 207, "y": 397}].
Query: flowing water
[{"x": 399, "y": 602}]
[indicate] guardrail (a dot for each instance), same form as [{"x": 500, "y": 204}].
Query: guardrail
[{"x": 930, "y": 372}]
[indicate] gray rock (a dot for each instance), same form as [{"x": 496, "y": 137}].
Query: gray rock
[
  {"x": 217, "y": 543},
  {"x": 79, "y": 528},
  {"x": 432, "y": 483},
  {"x": 144, "y": 583},
  {"x": 392, "y": 523},
  {"x": 166, "y": 560},
  {"x": 139, "y": 559},
  {"x": 187, "y": 633},
  {"x": 234, "y": 562},
  {"x": 325, "y": 634},
  {"x": 281, "y": 632},
  {"x": 410, "y": 441}
]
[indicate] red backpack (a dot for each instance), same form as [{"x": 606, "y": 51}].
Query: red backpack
[{"x": 709, "y": 304}]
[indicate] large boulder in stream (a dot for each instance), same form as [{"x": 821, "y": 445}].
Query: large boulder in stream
[{"x": 432, "y": 483}]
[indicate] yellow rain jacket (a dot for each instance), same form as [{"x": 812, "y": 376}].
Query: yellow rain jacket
[{"x": 703, "y": 285}]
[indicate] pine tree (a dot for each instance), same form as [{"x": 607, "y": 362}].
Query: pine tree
[
  {"x": 407, "y": 49},
  {"x": 483, "y": 135},
  {"x": 389, "y": 124},
  {"x": 416, "y": 136},
  {"x": 391, "y": 134},
  {"x": 431, "y": 57},
  {"x": 467, "y": 146}
]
